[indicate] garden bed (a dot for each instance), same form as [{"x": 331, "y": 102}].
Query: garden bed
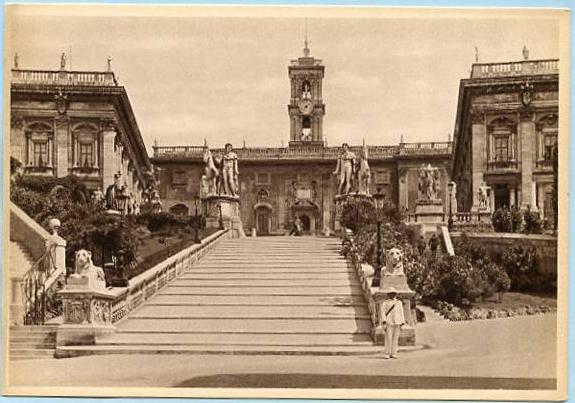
[{"x": 512, "y": 304}]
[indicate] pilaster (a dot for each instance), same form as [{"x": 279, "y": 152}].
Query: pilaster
[
  {"x": 62, "y": 145},
  {"x": 478, "y": 151},
  {"x": 109, "y": 155},
  {"x": 527, "y": 137}
]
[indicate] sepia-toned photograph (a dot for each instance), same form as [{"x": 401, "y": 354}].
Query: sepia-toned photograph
[{"x": 285, "y": 202}]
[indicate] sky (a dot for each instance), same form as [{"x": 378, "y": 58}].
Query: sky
[{"x": 224, "y": 79}]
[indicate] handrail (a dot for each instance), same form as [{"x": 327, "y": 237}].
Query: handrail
[{"x": 35, "y": 284}]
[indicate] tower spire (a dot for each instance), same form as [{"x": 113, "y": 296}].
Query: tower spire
[{"x": 305, "y": 42}]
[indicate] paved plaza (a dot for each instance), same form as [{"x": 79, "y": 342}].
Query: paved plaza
[{"x": 514, "y": 352}]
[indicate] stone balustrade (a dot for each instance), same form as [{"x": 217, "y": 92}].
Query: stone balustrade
[
  {"x": 63, "y": 77},
  {"x": 316, "y": 152},
  {"x": 509, "y": 69}
]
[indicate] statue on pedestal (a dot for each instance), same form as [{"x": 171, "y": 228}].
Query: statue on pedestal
[
  {"x": 230, "y": 171},
  {"x": 482, "y": 197},
  {"x": 363, "y": 173},
  {"x": 345, "y": 169},
  {"x": 394, "y": 263},
  {"x": 211, "y": 178},
  {"x": 84, "y": 267},
  {"x": 428, "y": 183}
]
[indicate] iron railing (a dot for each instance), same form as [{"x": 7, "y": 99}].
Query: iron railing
[{"x": 39, "y": 290}]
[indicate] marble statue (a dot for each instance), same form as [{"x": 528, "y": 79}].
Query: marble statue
[
  {"x": 112, "y": 192},
  {"x": 84, "y": 267},
  {"x": 453, "y": 196},
  {"x": 230, "y": 171},
  {"x": 482, "y": 197},
  {"x": 394, "y": 263},
  {"x": 211, "y": 178},
  {"x": 428, "y": 182},
  {"x": 344, "y": 169},
  {"x": 63, "y": 61},
  {"x": 363, "y": 172}
]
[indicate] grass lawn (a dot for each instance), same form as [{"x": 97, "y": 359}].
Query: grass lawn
[{"x": 514, "y": 300}]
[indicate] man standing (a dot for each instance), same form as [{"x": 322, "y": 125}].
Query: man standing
[{"x": 392, "y": 319}]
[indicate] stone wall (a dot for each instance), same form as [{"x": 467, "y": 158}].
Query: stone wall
[{"x": 545, "y": 245}]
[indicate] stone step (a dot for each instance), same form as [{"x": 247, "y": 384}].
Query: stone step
[
  {"x": 74, "y": 351},
  {"x": 35, "y": 353},
  {"x": 26, "y": 344},
  {"x": 260, "y": 291},
  {"x": 276, "y": 325},
  {"x": 255, "y": 282},
  {"x": 214, "y": 274},
  {"x": 251, "y": 300},
  {"x": 239, "y": 339},
  {"x": 181, "y": 311}
]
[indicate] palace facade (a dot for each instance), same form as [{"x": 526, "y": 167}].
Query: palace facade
[
  {"x": 279, "y": 183},
  {"x": 505, "y": 131},
  {"x": 77, "y": 123}
]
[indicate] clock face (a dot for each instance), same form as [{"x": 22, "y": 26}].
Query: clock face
[{"x": 305, "y": 106}]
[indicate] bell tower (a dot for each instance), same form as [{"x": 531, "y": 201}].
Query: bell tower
[{"x": 306, "y": 108}]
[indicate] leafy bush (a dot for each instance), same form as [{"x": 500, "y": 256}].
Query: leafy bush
[
  {"x": 502, "y": 220},
  {"x": 355, "y": 215},
  {"x": 516, "y": 219},
  {"x": 520, "y": 263},
  {"x": 533, "y": 224}
]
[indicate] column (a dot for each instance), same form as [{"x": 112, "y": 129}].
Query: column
[
  {"x": 541, "y": 204},
  {"x": 534, "y": 206},
  {"x": 17, "y": 138},
  {"x": 478, "y": 139},
  {"x": 492, "y": 198},
  {"x": 403, "y": 173},
  {"x": 527, "y": 136},
  {"x": 512, "y": 201},
  {"x": 109, "y": 157},
  {"x": 62, "y": 146}
]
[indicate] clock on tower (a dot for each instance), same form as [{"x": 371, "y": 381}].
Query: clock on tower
[{"x": 306, "y": 108}]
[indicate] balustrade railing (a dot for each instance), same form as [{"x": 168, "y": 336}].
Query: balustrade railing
[
  {"x": 525, "y": 67},
  {"x": 63, "y": 77},
  {"x": 305, "y": 152},
  {"x": 502, "y": 165}
]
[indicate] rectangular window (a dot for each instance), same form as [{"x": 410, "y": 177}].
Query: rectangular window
[
  {"x": 263, "y": 178},
  {"x": 501, "y": 148},
  {"x": 86, "y": 155},
  {"x": 41, "y": 154},
  {"x": 179, "y": 178},
  {"x": 549, "y": 142},
  {"x": 381, "y": 177}
]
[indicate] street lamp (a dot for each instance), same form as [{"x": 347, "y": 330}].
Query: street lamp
[
  {"x": 378, "y": 263},
  {"x": 196, "y": 222},
  {"x": 119, "y": 279},
  {"x": 450, "y": 186}
]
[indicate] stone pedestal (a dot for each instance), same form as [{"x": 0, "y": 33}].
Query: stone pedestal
[
  {"x": 405, "y": 294},
  {"x": 87, "y": 313},
  {"x": 230, "y": 214},
  {"x": 341, "y": 200},
  {"x": 429, "y": 214}
]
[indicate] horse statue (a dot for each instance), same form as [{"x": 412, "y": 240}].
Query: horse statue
[
  {"x": 211, "y": 173},
  {"x": 363, "y": 172}
]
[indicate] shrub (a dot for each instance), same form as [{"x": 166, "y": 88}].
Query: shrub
[
  {"x": 533, "y": 224},
  {"x": 355, "y": 215},
  {"x": 516, "y": 219},
  {"x": 521, "y": 265},
  {"x": 502, "y": 220}
]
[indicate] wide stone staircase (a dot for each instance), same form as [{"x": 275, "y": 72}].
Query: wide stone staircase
[{"x": 265, "y": 295}]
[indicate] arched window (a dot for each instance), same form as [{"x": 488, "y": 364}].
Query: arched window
[
  {"x": 39, "y": 137},
  {"x": 306, "y": 89},
  {"x": 85, "y": 147}
]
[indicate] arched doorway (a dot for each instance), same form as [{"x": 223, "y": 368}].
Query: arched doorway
[
  {"x": 263, "y": 216},
  {"x": 179, "y": 209},
  {"x": 305, "y": 223}
]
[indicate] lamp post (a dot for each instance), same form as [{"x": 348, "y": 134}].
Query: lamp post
[
  {"x": 378, "y": 263},
  {"x": 196, "y": 222},
  {"x": 221, "y": 217},
  {"x": 450, "y": 219},
  {"x": 119, "y": 279}
]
